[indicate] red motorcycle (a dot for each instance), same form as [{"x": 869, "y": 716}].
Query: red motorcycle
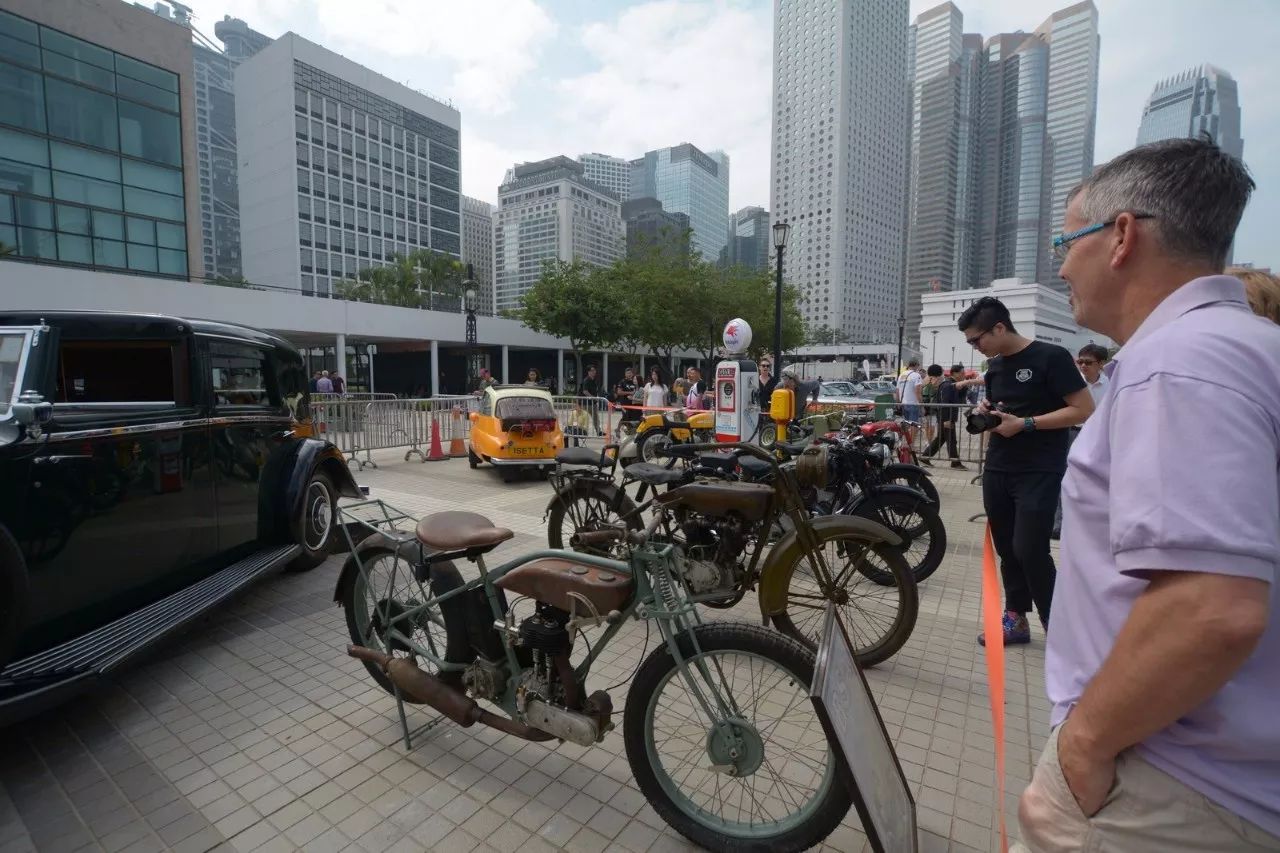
[{"x": 893, "y": 433}]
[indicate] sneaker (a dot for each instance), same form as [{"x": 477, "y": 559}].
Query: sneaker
[
  {"x": 959, "y": 466},
  {"x": 1016, "y": 630},
  {"x": 924, "y": 460}
]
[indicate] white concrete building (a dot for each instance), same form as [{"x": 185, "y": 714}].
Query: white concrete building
[
  {"x": 477, "y": 247},
  {"x": 612, "y": 173},
  {"x": 1037, "y": 312},
  {"x": 340, "y": 168},
  {"x": 548, "y": 210},
  {"x": 841, "y": 122}
]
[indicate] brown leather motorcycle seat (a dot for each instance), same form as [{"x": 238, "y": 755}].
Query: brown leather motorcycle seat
[
  {"x": 551, "y": 579},
  {"x": 460, "y": 531}
]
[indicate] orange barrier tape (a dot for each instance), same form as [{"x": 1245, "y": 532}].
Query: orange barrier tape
[{"x": 994, "y": 632}]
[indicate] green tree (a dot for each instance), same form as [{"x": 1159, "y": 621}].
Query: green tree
[
  {"x": 576, "y": 301},
  {"x": 419, "y": 279},
  {"x": 6, "y": 250}
]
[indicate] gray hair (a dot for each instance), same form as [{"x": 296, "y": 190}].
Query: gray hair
[{"x": 1194, "y": 191}]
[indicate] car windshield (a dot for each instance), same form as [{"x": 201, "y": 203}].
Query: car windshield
[
  {"x": 839, "y": 389},
  {"x": 525, "y": 409},
  {"x": 12, "y": 346}
]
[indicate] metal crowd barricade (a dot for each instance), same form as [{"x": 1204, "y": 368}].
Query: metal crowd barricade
[
  {"x": 340, "y": 422},
  {"x": 409, "y": 423},
  {"x": 586, "y": 419},
  {"x": 971, "y": 448},
  {"x": 366, "y": 396}
]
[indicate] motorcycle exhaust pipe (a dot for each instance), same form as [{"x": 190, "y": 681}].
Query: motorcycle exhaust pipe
[{"x": 422, "y": 688}]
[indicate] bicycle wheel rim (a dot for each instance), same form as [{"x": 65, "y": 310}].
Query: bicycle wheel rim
[
  {"x": 389, "y": 579},
  {"x": 874, "y": 610},
  {"x": 694, "y": 748}
]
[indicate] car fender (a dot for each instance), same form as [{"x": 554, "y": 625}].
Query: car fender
[
  {"x": 774, "y": 575},
  {"x": 408, "y": 550},
  {"x": 284, "y": 483}
]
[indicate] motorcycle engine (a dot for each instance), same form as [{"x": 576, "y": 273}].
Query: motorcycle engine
[
  {"x": 713, "y": 551},
  {"x": 485, "y": 679}
]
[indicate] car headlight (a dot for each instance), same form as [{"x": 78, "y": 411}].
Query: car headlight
[
  {"x": 889, "y": 437},
  {"x": 880, "y": 452}
]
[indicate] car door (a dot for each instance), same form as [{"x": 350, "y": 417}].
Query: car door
[
  {"x": 120, "y": 499},
  {"x": 248, "y": 418}
]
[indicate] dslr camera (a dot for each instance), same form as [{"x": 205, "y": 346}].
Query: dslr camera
[{"x": 980, "y": 422}]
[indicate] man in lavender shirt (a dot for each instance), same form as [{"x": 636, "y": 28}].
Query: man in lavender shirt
[{"x": 1163, "y": 657}]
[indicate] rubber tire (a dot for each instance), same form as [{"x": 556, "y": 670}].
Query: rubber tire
[
  {"x": 353, "y": 631},
  {"x": 912, "y": 476},
  {"x": 932, "y": 559},
  {"x": 556, "y": 516},
  {"x": 472, "y": 459},
  {"x": 13, "y": 595},
  {"x": 798, "y": 659},
  {"x": 309, "y": 558},
  {"x": 644, "y": 439},
  {"x": 909, "y": 608}
]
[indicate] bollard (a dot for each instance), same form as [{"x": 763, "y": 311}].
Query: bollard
[
  {"x": 437, "y": 451},
  {"x": 457, "y": 448}
]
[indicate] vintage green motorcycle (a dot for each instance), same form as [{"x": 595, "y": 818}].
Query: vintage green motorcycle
[{"x": 719, "y": 730}]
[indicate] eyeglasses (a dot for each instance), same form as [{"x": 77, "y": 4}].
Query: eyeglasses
[
  {"x": 1085, "y": 362},
  {"x": 976, "y": 339},
  {"x": 1062, "y": 243}
]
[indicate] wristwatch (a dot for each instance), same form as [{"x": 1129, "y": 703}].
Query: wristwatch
[{"x": 1028, "y": 424}]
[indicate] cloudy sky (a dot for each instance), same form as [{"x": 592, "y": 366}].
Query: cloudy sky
[{"x": 536, "y": 78}]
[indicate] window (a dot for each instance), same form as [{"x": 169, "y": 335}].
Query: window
[
  {"x": 100, "y": 373},
  {"x": 82, "y": 115},
  {"x": 150, "y": 134},
  {"x": 82, "y": 161},
  {"x": 148, "y": 203}
]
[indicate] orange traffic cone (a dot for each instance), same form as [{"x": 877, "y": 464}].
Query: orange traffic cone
[
  {"x": 437, "y": 452},
  {"x": 456, "y": 447}
]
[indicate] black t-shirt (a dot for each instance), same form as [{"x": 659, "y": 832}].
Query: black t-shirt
[
  {"x": 766, "y": 392},
  {"x": 590, "y": 387},
  {"x": 1032, "y": 382},
  {"x": 624, "y": 390}
]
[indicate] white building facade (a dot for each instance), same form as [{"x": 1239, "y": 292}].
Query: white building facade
[
  {"x": 477, "y": 247},
  {"x": 548, "y": 211},
  {"x": 340, "y": 168},
  {"x": 841, "y": 122},
  {"x": 612, "y": 173},
  {"x": 1037, "y": 312}
]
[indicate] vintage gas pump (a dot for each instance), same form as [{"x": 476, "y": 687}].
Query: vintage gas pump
[{"x": 737, "y": 387}]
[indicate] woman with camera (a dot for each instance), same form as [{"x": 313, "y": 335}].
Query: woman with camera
[{"x": 1034, "y": 393}]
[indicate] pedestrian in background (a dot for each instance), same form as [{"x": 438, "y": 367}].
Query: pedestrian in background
[
  {"x": 324, "y": 384},
  {"x": 948, "y": 413},
  {"x": 655, "y": 392},
  {"x": 590, "y": 388},
  {"x": 1163, "y": 660},
  {"x": 1090, "y": 360},
  {"x": 1036, "y": 392},
  {"x": 768, "y": 382},
  {"x": 339, "y": 384},
  {"x": 1262, "y": 290}
]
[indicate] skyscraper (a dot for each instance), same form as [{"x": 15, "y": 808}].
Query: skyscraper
[
  {"x": 841, "y": 122},
  {"x": 651, "y": 229},
  {"x": 548, "y": 211},
  {"x": 688, "y": 181},
  {"x": 612, "y": 173},
  {"x": 477, "y": 247},
  {"x": 1199, "y": 100},
  {"x": 750, "y": 242},
  {"x": 375, "y": 168},
  {"x": 1071, "y": 110},
  {"x": 1000, "y": 134},
  {"x": 216, "y": 143}
]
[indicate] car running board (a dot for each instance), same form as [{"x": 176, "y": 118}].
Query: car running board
[{"x": 104, "y": 649}]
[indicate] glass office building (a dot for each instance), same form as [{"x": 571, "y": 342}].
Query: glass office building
[
  {"x": 90, "y": 154},
  {"x": 691, "y": 182}
]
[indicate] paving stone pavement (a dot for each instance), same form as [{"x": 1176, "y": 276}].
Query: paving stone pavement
[{"x": 254, "y": 731}]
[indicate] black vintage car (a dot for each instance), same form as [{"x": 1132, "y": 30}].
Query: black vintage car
[{"x": 150, "y": 467}]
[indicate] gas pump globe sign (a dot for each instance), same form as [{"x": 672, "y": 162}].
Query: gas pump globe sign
[{"x": 737, "y": 387}]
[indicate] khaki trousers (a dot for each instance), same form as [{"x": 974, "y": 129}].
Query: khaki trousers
[{"x": 1147, "y": 811}]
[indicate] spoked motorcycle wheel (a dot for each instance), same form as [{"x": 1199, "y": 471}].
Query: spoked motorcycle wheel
[
  {"x": 373, "y": 605},
  {"x": 916, "y": 521},
  {"x": 651, "y": 444},
  {"x": 879, "y": 616},
  {"x": 762, "y": 779},
  {"x": 914, "y": 477},
  {"x": 589, "y": 507}
]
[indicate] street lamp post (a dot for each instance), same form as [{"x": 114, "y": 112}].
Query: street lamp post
[
  {"x": 469, "y": 301},
  {"x": 933, "y": 349},
  {"x": 781, "y": 231},
  {"x": 902, "y": 325}
]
